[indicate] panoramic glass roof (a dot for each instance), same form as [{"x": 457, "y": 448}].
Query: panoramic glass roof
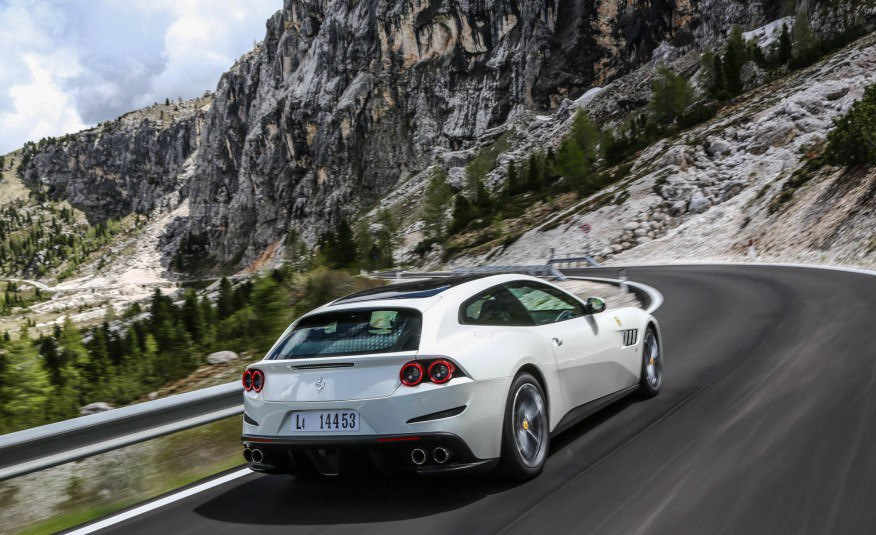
[{"x": 407, "y": 290}]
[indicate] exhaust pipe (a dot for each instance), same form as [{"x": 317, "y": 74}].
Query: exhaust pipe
[
  {"x": 418, "y": 456},
  {"x": 247, "y": 455},
  {"x": 257, "y": 456},
  {"x": 440, "y": 455}
]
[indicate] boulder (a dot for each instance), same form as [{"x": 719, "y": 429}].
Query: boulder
[
  {"x": 456, "y": 158},
  {"x": 718, "y": 147},
  {"x": 94, "y": 408},
  {"x": 222, "y": 357},
  {"x": 776, "y": 133},
  {"x": 678, "y": 156},
  {"x": 836, "y": 93},
  {"x": 698, "y": 203},
  {"x": 456, "y": 177},
  {"x": 678, "y": 208}
]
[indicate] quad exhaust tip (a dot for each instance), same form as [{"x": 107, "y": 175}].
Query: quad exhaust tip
[
  {"x": 440, "y": 455},
  {"x": 257, "y": 456},
  {"x": 247, "y": 455},
  {"x": 418, "y": 456}
]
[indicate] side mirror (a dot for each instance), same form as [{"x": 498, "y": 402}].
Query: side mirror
[{"x": 595, "y": 305}]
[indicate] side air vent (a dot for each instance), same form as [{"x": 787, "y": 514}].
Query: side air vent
[
  {"x": 249, "y": 420},
  {"x": 322, "y": 366},
  {"x": 631, "y": 336},
  {"x": 437, "y": 415}
]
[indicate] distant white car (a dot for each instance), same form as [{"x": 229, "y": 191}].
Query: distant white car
[{"x": 445, "y": 375}]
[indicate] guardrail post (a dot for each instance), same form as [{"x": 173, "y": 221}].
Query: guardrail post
[{"x": 622, "y": 275}]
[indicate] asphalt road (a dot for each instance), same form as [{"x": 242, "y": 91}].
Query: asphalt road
[{"x": 766, "y": 424}]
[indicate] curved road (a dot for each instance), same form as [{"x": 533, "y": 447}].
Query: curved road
[{"x": 766, "y": 424}]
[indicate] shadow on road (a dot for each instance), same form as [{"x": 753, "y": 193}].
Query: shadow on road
[{"x": 285, "y": 500}]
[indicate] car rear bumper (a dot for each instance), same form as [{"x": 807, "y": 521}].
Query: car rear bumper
[
  {"x": 389, "y": 453},
  {"x": 471, "y": 411}
]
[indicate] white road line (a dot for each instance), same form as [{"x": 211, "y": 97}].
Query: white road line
[{"x": 137, "y": 511}]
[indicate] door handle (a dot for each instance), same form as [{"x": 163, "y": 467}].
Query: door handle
[{"x": 558, "y": 342}]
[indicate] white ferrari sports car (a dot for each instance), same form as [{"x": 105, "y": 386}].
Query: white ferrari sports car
[{"x": 446, "y": 375}]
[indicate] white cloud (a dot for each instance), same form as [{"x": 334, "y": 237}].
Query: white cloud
[
  {"x": 68, "y": 64},
  {"x": 40, "y": 107}
]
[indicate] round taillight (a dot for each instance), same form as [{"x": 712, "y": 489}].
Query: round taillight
[
  {"x": 440, "y": 371},
  {"x": 258, "y": 380},
  {"x": 247, "y": 380},
  {"x": 411, "y": 374}
]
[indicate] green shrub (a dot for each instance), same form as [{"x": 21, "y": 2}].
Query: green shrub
[
  {"x": 671, "y": 96},
  {"x": 853, "y": 141}
]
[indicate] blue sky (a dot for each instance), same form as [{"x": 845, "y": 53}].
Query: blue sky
[{"x": 66, "y": 65}]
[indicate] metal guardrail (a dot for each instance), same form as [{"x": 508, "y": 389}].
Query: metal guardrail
[
  {"x": 49, "y": 445},
  {"x": 573, "y": 259},
  {"x": 534, "y": 270},
  {"x": 42, "y": 447}
]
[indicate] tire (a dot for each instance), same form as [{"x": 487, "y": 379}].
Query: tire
[
  {"x": 525, "y": 431},
  {"x": 651, "y": 377}
]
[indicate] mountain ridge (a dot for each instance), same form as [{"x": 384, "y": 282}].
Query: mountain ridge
[{"x": 342, "y": 104}]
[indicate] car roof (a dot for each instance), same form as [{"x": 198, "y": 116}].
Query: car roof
[{"x": 418, "y": 289}]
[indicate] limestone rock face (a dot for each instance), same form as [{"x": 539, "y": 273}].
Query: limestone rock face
[
  {"x": 343, "y": 100},
  {"x": 121, "y": 166}
]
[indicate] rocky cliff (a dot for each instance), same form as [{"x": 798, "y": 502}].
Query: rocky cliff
[
  {"x": 127, "y": 165},
  {"x": 743, "y": 186},
  {"x": 344, "y": 100}
]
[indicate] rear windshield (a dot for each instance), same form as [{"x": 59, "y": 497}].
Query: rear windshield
[{"x": 352, "y": 332}]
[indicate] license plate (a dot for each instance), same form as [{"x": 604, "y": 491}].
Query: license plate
[{"x": 305, "y": 421}]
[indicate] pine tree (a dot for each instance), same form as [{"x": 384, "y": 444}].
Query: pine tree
[
  {"x": 24, "y": 387},
  {"x": 435, "y": 202},
  {"x": 52, "y": 360},
  {"x": 805, "y": 44},
  {"x": 328, "y": 249},
  {"x": 717, "y": 87},
  {"x": 483, "y": 202},
  {"x": 225, "y": 301},
  {"x": 784, "y": 53},
  {"x": 672, "y": 94},
  {"x": 364, "y": 243},
  {"x": 271, "y": 314},
  {"x": 208, "y": 312},
  {"x": 512, "y": 181},
  {"x": 387, "y": 237},
  {"x": 734, "y": 58},
  {"x": 586, "y": 136},
  {"x": 345, "y": 252},
  {"x": 462, "y": 214},
  {"x": 535, "y": 173},
  {"x": 572, "y": 163},
  {"x": 160, "y": 308},
  {"x": 193, "y": 317},
  {"x": 97, "y": 368}
]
